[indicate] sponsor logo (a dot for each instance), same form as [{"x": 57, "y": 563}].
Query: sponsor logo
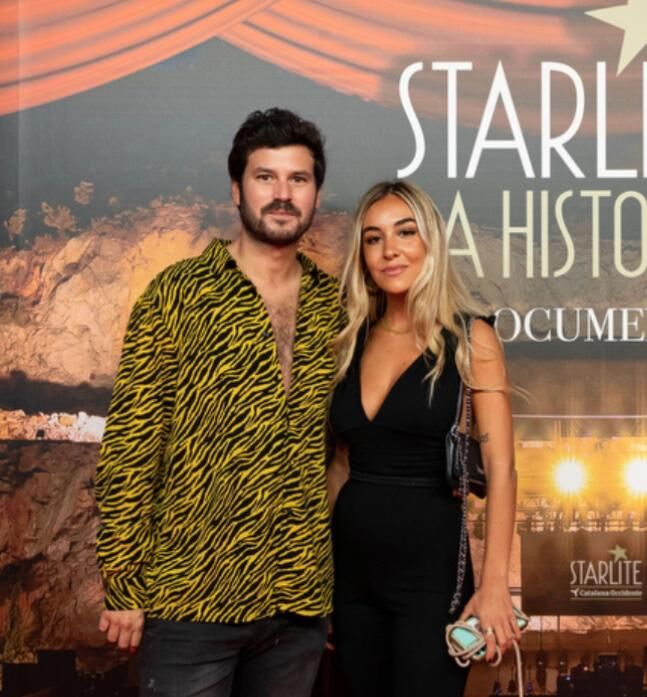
[{"x": 618, "y": 578}]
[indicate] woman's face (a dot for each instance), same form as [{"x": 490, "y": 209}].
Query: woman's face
[{"x": 392, "y": 248}]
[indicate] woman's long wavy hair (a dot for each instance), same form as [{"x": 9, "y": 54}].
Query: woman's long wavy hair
[{"x": 436, "y": 299}]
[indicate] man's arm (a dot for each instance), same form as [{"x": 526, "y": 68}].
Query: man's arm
[{"x": 131, "y": 451}]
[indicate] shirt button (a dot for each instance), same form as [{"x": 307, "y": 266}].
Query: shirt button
[{"x": 267, "y": 334}]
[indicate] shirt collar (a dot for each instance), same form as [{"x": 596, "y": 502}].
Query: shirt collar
[{"x": 219, "y": 258}]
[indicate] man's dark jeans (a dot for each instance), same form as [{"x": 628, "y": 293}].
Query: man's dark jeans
[{"x": 275, "y": 657}]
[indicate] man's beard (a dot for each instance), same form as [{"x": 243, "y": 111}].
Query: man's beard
[{"x": 277, "y": 236}]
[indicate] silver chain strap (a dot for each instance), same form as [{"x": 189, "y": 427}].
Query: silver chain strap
[{"x": 462, "y": 443}]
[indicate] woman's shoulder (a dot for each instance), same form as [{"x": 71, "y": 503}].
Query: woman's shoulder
[
  {"x": 484, "y": 340},
  {"x": 481, "y": 324},
  {"x": 482, "y": 327},
  {"x": 482, "y": 334},
  {"x": 490, "y": 320},
  {"x": 472, "y": 325}
]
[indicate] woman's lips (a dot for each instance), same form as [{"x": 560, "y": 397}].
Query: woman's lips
[{"x": 393, "y": 270}]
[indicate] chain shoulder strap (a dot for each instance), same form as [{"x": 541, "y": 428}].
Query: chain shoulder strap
[{"x": 463, "y": 443}]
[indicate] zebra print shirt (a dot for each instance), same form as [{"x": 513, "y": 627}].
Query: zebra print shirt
[{"x": 211, "y": 483}]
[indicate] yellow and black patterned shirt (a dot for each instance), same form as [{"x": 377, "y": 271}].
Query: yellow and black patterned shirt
[{"x": 211, "y": 482}]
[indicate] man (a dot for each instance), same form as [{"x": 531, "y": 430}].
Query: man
[{"x": 214, "y": 541}]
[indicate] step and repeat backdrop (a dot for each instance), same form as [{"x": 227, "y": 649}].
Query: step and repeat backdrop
[{"x": 526, "y": 120}]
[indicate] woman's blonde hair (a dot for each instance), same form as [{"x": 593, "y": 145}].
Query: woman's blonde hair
[{"x": 436, "y": 298}]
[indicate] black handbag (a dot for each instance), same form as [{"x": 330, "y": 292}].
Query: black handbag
[{"x": 462, "y": 452}]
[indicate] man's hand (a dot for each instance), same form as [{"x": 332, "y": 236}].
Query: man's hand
[{"x": 123, "y": 627}]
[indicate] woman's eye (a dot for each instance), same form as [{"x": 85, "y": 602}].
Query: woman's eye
[
  {"x": 371, "y": 239},
  {"x": 408, "y": 231}
]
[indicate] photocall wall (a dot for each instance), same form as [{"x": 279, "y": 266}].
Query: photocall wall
[{"x": 526, "y": 122}]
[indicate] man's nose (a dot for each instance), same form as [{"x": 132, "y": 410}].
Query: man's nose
[{"x": 282, "y": 190}]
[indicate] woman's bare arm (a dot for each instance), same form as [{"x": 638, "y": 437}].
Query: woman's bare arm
[
  {"x": 493, "y": 417},
  {"x": 337, "y": 473}
]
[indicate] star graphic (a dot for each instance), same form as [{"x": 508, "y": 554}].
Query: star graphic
[
  {"x": 631, "y": 17},
  {"x": 618, "y": 552}
]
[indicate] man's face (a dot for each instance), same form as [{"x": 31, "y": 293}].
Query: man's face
[{"x": 278, "y": 196}]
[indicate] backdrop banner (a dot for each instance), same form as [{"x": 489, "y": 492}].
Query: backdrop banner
[
  {"x": 584, "y": 573},
  {"x": 526, "y": 122}
]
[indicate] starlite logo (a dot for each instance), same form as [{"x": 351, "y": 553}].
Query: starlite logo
[
  {"x": 619, "y": 578},
  {"x": 549, "y": 218}
]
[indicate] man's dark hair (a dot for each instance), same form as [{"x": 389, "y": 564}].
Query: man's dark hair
[{"x": 275, "y": 128}]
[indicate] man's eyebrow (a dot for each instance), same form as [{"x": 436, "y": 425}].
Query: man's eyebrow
[{"x": 260, "y": 169}]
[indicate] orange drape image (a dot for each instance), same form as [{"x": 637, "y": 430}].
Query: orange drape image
[{"x": 55, "y": 49}]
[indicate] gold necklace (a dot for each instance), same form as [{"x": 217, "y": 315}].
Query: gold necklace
[{"x": 388, "y": 328}]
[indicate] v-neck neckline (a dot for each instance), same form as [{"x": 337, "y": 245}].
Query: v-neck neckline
[
  {"x": 389, "y": 391},
  {"x": 300, "y": 298}
]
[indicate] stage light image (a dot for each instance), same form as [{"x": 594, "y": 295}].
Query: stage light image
[
  {"x": 636, "y": 476},
  {"x": 570, "y": 476}
]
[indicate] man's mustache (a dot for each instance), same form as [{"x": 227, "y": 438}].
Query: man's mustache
[{"x": 277, "y": 205}]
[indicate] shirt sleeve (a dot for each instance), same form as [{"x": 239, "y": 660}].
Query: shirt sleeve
[{"x": 131, "y": 453}]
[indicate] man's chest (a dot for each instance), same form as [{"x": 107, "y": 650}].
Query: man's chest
[
  {"x": 282, "y": 311},
  {"x": 223, "y": 339}
]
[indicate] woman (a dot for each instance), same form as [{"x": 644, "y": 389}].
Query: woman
[{"x": 396, "y": 523}]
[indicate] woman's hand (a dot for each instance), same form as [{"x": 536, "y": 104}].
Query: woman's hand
[{"x": 493, "y": 607}]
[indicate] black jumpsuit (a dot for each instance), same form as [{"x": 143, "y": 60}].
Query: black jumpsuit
[{"x": 396, "y": 546}]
